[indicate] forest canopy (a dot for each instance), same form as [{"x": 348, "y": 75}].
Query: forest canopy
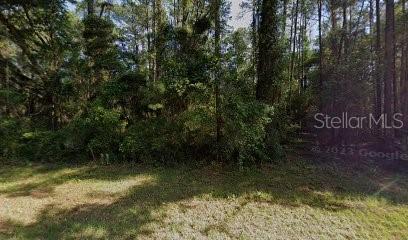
[{"x": 170, "y": 81}]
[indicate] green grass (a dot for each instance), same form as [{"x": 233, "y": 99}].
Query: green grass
[{"x": 296, "y": 200}]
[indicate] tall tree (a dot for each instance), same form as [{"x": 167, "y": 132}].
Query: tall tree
[
  {"x": 217, "y": 39},
  {"x": 344, "y": 46},
  {"x": 255, "y": 16},
  {"x": 91, "y": 7},
  {"x": 378, "y": 69},
  {"x": 285, "y": 13},
  {"x": 159, "y": 24},
  {"x": 269, "y": 51},
  {"x": 293, "y": 41},
  {"x": 404, "y": 62},
  {"x": 389, "y": 61},
  {"x": 320, "y": 45}
]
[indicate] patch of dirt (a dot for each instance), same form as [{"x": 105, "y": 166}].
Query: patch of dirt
[
  {"x": 40, "y": 193},
  {"x": 4, "y": 227}
]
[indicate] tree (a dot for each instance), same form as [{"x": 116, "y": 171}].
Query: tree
[
  {"x": 217, "y": 53},
  {"x": 254, "y": 35},
  {"x": 378, "y": 69},
  {"x": 40, "y": 35},
  {"x": 269, "y": 53},
  {"x": 293, "y": 39},
  {"x": 160, "y": 27},
  {"x": 389, "y": 62},
  {"x": 404, "y": 63},
  {"x": 91, "y": 7},
  {"x": 320, "y": 9}
]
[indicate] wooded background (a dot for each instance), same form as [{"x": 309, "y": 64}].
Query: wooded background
[{"x": 169, "y": 81}]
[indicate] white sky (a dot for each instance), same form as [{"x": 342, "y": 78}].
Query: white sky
[{"x": 237, "y": 22}]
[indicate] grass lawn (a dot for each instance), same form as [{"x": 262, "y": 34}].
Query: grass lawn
[{"x": 296, "y": 200}]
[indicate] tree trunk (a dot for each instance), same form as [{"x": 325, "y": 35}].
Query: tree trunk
[
  {"x": 159, "y": 39},
  {"x": 217, "y": 39},
  {"x": 320, "y": 49},
  {"x": 378, "y": 69},
  {"x": 389, "y": 74},
  {"x": 302, "y": 47},
  {"x": 343, "y": 43},
  {"x": 154, "y": 45},
  {"x": 7, "y": 78},
  {"x": 333, "y": 19},
  {"x": 285, "y": 12},
  {"x": 91, "y": 7},
  {"x": 292, "y": 59},
  {"x": 149, "y": 43},
  {"x": 269, "y": 52},
  {"x": 372, "y": 53},
  {"x": 404, "y": 65},
  {"x": 254, "y": 38}
]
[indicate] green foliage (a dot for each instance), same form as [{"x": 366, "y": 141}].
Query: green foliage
[
  {"x": 99, "y": 38},
  {"x": 97, "y": 132},
  {"x": 112, "y": 86},
  {"x": 154, "y": 140},
  {"x": 20, "y": 141},
  {"x": 127, "y": 93},
  {"x": 10, "y": 130},
  {"x": 42, "y": 145},
  {"x": 10, "y": 97},
  {"x": 246, "y": 130}
]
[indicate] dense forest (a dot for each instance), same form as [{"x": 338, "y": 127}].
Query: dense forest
[{"x": 169, "y": 81}]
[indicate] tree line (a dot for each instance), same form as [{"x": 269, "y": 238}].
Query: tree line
[{"x": 170, "y": 81}]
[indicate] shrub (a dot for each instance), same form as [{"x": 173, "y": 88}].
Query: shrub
[
  {"x": 246, "y": 130},
  {"x": 153, "y": 140},
  {"x": 10, "y": 130},
  {"x": 97, "y": 132},
  {"x": 42, "y": 145}
]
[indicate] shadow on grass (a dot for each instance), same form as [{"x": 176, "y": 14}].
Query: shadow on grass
[
  {"x": 324, "y": 186},
  {"x": 51, "y": 175}
]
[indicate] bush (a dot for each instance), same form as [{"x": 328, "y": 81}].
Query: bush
[
  {"x": 42, "y": 145},
  {"x": 97, "y": 132},
  {"x": 20, "y": 140},
  {"x": 154, "y": 140},
  {"x": 246, "y": 130},
  {"x": 10, "y": 130}
]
